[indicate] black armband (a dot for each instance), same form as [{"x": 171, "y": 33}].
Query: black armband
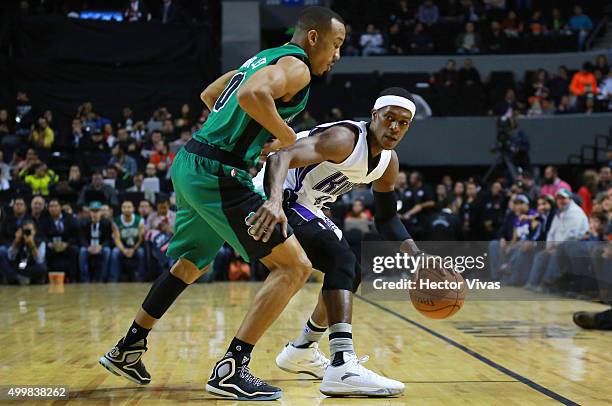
[{"x": 387, "y": 222}]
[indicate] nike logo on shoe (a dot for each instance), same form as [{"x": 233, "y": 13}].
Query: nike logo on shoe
[{"x": 348, "y": 375}]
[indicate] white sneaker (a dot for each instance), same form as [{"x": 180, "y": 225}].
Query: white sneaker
[
  {"x": 303, "y": 360},
  {"x": 352, "y": 379}
]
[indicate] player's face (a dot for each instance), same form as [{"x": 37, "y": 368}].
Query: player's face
[
  {"x": 325, "y": 47},
  {"x": 389, "y": 125}
]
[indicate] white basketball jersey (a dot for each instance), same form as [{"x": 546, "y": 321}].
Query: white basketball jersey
[{"x": 308, "y": 189}]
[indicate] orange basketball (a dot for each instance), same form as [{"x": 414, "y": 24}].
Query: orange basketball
[{"x": 438, "y": 295}]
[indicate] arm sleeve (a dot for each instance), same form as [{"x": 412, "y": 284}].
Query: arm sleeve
[{"x": 387, "y": 222}]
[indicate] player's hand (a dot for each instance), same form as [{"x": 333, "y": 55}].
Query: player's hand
[{"x": 262, "y": 223}]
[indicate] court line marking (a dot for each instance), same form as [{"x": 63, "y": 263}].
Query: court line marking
[{"x": 533, "y": 385}]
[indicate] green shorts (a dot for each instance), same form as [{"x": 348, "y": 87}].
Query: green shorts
[{"x": 213, "y": 200}]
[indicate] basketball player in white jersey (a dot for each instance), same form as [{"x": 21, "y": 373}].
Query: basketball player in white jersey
[{"x": 329, "y": 160}]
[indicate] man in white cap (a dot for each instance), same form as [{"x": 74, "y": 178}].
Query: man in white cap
[{"x": 328, "y": 161}]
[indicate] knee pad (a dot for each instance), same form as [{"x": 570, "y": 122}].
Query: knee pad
[
  {"x": 339, "y": 264},
  {"x": 163, "y": 293}
]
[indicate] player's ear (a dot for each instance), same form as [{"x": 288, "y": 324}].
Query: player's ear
[
  {"x": 313, "y": 36},
  {"x": 374, "y": 114}
]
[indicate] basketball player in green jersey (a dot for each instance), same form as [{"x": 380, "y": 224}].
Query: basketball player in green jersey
[{"x": 215, "y": 199}]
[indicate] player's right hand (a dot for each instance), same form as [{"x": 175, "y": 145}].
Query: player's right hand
[{"x": 265, "y": 220}]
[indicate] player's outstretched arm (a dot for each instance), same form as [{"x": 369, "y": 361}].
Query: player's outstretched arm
[
  {"x": 333, "y": 144},
  {"x": 212, "y": 92},
  {"x": 386, "y": 219},
  {"x": 282, "y": 80}
]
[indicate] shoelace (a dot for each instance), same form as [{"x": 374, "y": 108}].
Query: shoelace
[
  {"x": 245, "y": 373},
  {"x": 362, "y": 360},
  {"x": 319, "y": 357}
]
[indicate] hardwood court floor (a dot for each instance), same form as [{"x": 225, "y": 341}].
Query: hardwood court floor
[{"x": 505, "y": 353}]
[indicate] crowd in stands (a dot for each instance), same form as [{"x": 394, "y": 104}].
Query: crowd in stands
[
  {"x": 97, "y": 203},
  {"x": 463, "y": 91},
  {"x": 465, "y": 26}
]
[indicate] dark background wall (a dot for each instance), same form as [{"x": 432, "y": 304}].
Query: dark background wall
[{"x": 62, "y": 62}]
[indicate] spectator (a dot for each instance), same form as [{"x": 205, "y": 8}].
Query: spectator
[
  {"x": 468, "y": 41},
  {"x": 557, "y": 25},
  {"x": 26, "y": 257},
  {"x": 38, "y": 214},
  {"x": 565, "y": 106},
  {"x": 42, "y": 180},
  {"x": 397, "y": 41},
  {"x": 547, "y": 106},
  {"x": 137, "y": 181},
  {"x": 26, "y": 167},
  {"x": 598, "y": 225},
  {"x": 444, "y": 225},
  {"x": 420, "y": 41},
  {"x": 469, "y": 12},
  {"x": 583, "y": 81},
  {"x": 601, "y": 64},
  {"x": 470, "y": 213},
  {"x": 588, "y": 190},
  {"x": 148, "y": 148},
  {"x": 136, "y": 11},
  {"x": 559, "y": 84},
  {"x": 569, "y": 223},
  {"x": 14, "y": 221},
  {"x": 371, "y": 42},
  {"x": 125, "y": 164},
  {"x": 5, "y": 173},
  {"x": 458, "y": 197},
  {"x": 581, "y": 24},
  {"x": 8, "y": 139},
  {"x": 428, "y": 13},
  {"x": 605, "y": 180},
  {"x": 538, "y": 84},
  {"x": 537, "y": 26},
  {"x": 546, "y": 210},
  {"x": 24, "y": 114},
  {"x": 358, "y": 211},
  {"x": 42, "y": 135},
  {"x": 167, "y": 130},
  {"x": 513, "y": 28},
  {"x": 128, "y": 254},
  {"x": 69, "y": 189},
  {"x": 506, "y": 107},
  {"x": 401, "y": 186},
  {"x": 495, "y": 39},
  {"x": 144, "y": 211},
  {"x": 306, "y": 123},
  {"x": 469, "y": 75},
  {"x": 95, "y": 239},
  {"x": 494, "y": 208},
  {"x": 95, "y": 151},
  {"x": 417, "y": 204},
  {"x": 552, "y": 183},
  {"x": 171, "y": 12},
  {"x": 185, "y": 119},
  {"x": 519, "y": 145},
  {"x": 163, "y": 212},
  {"x": 441, "y": 195},
  {"x": 78, "y": 135},
  {"x": 62, "y": 232},
  {"x": 113, "y": 179},
  {"x": 448, "y": 76},
  {"x": 98, "y": 187},
  {"x": 349, "y": 47}
]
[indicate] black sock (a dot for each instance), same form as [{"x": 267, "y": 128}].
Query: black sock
[
  {"x": 240, "y": 351},
  {"x": 135, "y": 334},
  {"x": 338, "y": 359}
]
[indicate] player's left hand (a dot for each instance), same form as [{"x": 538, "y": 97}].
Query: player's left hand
[{"x": 265, "y": 219}]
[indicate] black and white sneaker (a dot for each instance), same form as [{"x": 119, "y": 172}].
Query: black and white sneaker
[
  {"x": 236, "y": 381},
  {"x": 125, "y": 361}
]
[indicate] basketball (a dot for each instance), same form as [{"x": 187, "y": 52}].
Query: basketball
[{"x": 438, "y": 295}]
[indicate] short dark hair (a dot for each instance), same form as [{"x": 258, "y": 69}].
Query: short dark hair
[
  {"x": 397, "y": 91},
  {"x": 316, "y": 18}
]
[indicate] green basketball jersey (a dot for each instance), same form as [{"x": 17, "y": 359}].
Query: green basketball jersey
[
  {"x": 230, "y": 128},
  {"x": 128, "y": 232}
]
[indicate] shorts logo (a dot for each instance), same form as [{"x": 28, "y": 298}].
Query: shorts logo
[{"x": 233, "y": 173}]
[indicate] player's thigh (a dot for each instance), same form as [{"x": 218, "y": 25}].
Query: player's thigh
[{"x": 194, "y": 239}]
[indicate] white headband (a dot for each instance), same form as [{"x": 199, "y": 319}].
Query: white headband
[{"x": 399, "y": 101}]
